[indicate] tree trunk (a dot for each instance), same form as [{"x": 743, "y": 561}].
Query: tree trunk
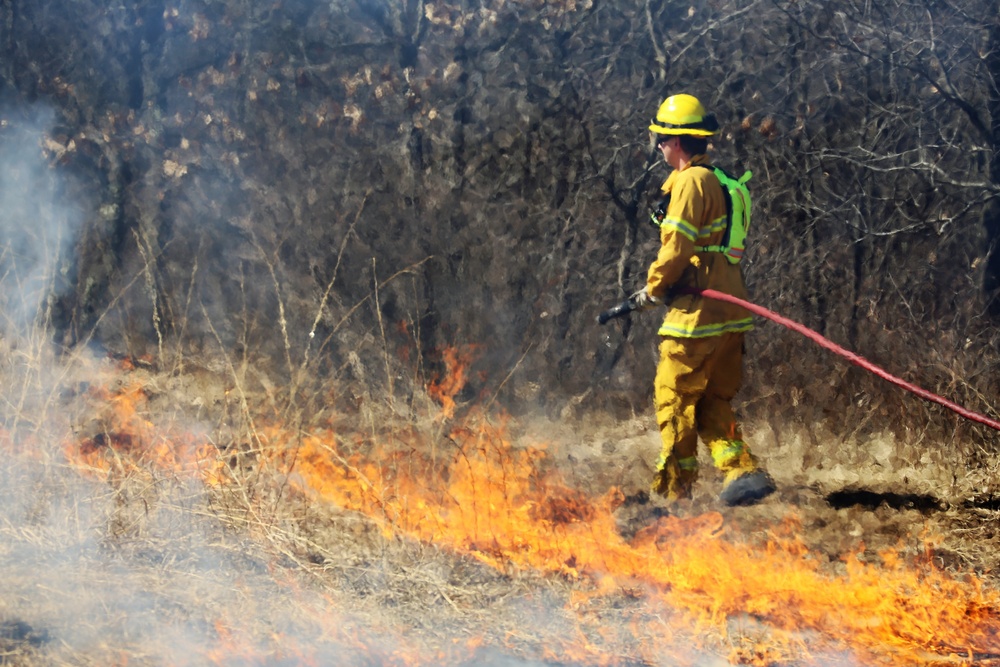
[{"x": 991, "y": 212}]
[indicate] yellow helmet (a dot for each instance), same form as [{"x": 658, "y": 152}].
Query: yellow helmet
[{"x": 684, "y": 114}]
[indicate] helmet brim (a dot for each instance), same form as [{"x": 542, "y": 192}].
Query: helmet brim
[{"x": 659, "y": 129}]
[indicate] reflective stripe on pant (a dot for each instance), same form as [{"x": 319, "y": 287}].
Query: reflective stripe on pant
[{"x": 696, "y": 381}]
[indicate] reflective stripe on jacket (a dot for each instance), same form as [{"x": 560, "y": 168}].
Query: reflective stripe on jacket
[{"x": 696, "y": 215}]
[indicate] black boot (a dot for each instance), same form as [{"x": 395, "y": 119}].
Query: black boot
[{"x": 748, "y": 489}]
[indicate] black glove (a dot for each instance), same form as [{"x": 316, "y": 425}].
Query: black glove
[{"x": 659, "y": 212}]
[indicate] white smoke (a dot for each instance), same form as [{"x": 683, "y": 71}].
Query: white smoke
[{"x": 38, "y": 223}]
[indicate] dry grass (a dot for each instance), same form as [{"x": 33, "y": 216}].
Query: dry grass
[
  {"x": 128, "y": 558},
  {"x": 117, "y": 559},
  {"x": 148, "y": 566}
]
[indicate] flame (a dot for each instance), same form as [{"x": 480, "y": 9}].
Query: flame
[
  {"x": 508, "y": 508},
  {"x": 444, "y": 389},
  {"x": 346, "y": 641},
  {"x": 128, "y": 440},
  {"x": 497, "y": 507},
  {"x": 233, "y": 646}
]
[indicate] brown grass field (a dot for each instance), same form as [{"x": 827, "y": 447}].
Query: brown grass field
[{"x": 163, "y": 518}]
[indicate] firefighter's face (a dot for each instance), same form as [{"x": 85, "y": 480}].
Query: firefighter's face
[{"x": 668, "y": 145}]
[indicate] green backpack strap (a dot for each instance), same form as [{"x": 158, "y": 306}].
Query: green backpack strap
[{"x": 738, "y": 210}]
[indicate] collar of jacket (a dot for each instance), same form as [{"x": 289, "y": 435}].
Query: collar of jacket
[{"x": 698, "y": 160}]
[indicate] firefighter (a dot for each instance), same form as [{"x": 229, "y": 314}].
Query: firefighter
[{"x": 701, "y": 348}]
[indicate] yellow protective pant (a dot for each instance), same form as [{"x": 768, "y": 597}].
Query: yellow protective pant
[{"x": 696, "y": 381}]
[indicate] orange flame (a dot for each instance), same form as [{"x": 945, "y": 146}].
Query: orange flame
[
  {"x": 127, "y": 439},
  {"x": 497, "y": 507},
  {"x": 444, "y": 389},
  {"x": 233, "y": 647},
  {"x": 506, "y": 507}
]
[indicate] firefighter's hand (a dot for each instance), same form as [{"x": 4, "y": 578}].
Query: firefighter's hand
[
  {"x": 643, "y": 300},
  {"x": 659, "y": 212}
]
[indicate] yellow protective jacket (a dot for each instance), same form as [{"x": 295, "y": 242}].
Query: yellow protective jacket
[{"x": 696, "y": 216}]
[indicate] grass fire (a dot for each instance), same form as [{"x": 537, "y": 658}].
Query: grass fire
[
  {"x": 337, "y": 333},
  {"x": 482, "y": 520}
]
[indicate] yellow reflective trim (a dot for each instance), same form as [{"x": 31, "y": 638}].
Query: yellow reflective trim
[
  {"x": 707, "y": 330},
  {"x": 688, "y": 463},
  {"x": 682, "y": 227},
  {"x": 716, "y": 226},
  {"x": 725, "y": 454}
]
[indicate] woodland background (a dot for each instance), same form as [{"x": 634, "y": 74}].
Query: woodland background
[{"x": 327, "y": 196}]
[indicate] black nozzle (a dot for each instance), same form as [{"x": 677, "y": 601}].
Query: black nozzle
[{"x": 622, "y": 309}]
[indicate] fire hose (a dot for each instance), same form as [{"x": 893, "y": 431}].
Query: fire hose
[{"x": 628, "y": 306}]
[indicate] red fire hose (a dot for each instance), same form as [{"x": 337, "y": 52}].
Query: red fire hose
[{"x": 847, "y": 354}]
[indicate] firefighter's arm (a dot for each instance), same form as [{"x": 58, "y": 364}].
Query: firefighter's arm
[
  {"x": 674, "y": 256},
  {"x": 678, "y": 233}
]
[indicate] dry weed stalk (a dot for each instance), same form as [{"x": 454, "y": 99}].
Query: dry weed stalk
[{"x": 150, "y": 280}]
